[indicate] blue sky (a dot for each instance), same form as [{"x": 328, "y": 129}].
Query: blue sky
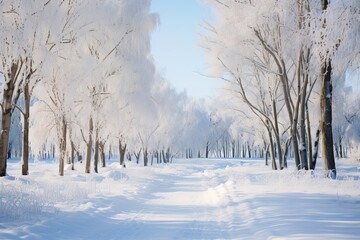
[
  {"x": 176, "y": 50},
  {"x": 175, "y": 46}
]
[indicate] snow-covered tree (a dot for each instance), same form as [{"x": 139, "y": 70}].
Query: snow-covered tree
[
  {"x": 287, "y": 42},
  {"x": 102, "y": 74},
  {"x": 30, "y": 30}
]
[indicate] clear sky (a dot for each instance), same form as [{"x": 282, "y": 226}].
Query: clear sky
[{"x": 175, "y": 46}]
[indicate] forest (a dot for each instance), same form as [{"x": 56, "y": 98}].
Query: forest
[
  {"x": 78, "y": 83},
  {"x": 97, "y": 143}
]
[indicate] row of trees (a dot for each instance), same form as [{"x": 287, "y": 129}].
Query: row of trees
[
  {"x": 282, "y": 58},
  {"x": 72, "y": 62},
  {"x": 81, "y": 76}
]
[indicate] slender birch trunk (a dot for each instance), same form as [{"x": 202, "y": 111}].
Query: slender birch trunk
[
  {"x": 26, "y": 115},
  {"x": 89, "y": 146},
  {"x": 96, "y": 155},
  {"x": 277, "y": 136},
  {"x": 308, "y": 137},
  {"x": 72, "y": 155},
  {"x": 273, "y": 161},
  {"x": 62, "y": 146},
  {"x": 102, "y": 153}
]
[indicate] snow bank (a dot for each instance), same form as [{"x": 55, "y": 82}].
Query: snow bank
[{"x": 25, "y": 198}]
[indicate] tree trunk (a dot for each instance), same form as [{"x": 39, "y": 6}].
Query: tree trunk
[
  {"x": 62, "y": 147},
  {"x": 249, "y": 150},
  {"x": 223, "y": 150},
  {"x": 25, "y": 155},
  {"x": 316, "y": 148},
  {"x": 293, "y": 116},
  {"x": 336, "y": 150},
  {"x": 233, "y": 145},
  {"x": 243, "y": 150},
  {"x": 168, "y": 155},
  {"x": 102, "y": 153},
  {"x": 72, "y": 155},
  {"x": 8, "y": 92},
  {"x": 79, "y": 156},
  {"x": 145, "y": 152},
  {"x": 4, "y": 140},
  {"x": 266, "y": 155},
  {"x": 96, "y": 154},
  {"x": 207, "y": 150},
  {"x": 273, "y": 160},
  {"x": 303, "y": 145},
  {"x": 277, "y": 135},
  {"x": 9, "y": 150},
  {"x": 308, "y": 134},
  {"x": 303, "y": 81},
  {"x": 341, "y": 147},
  {"x": 287, "y": 146},
  {"x": 89, "y": 146},
  {"x": 327, "y": 145},
  {"x": 122, "y": 150},
  {"x": 163, "y": 156},
  {"x": 137, "y": 156}
]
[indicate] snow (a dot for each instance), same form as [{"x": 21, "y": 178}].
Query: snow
[{"x": 189, "y": 199}]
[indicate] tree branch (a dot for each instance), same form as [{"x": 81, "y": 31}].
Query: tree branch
[{"x": 117, "y": 45}]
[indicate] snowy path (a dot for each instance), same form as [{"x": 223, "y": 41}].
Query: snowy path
[{"x": 216, "y": 199}]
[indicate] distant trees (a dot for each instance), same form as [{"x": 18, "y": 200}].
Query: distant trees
[{"x": 345, "y": 121}]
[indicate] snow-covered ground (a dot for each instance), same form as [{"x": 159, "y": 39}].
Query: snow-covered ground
[{"x": 189, "y": 199}]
